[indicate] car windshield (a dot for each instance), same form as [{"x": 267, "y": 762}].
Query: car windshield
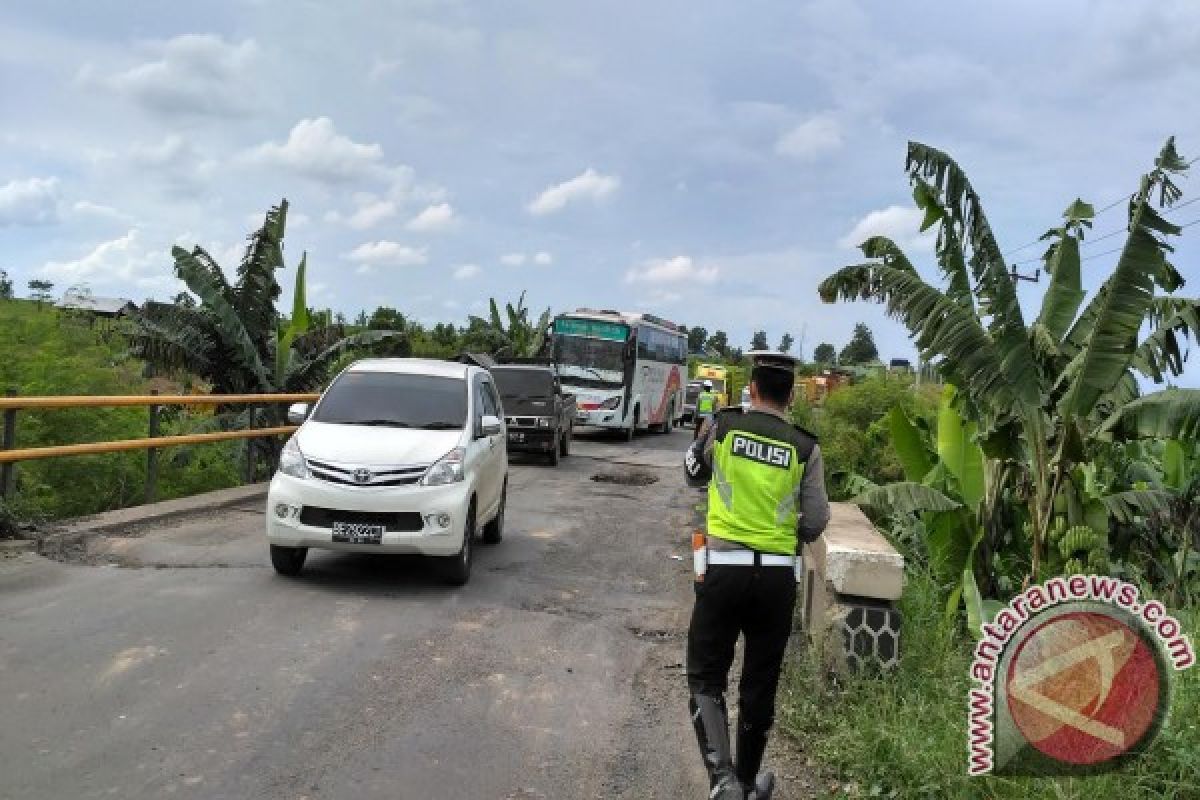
[
  {"x": 388, "y": 399},
  {"x": 515, "y": 384}
]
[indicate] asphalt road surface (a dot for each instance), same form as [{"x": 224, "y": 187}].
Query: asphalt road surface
[{"x": 183, "y": 666}]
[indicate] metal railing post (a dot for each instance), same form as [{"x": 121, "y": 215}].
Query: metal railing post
[
  {"x": 249, "y": 473},
  {"x": 8, "y": 470},
  {"x": 152, "y": 455}
]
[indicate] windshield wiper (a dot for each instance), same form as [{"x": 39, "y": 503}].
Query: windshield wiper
[{"x": 379, "y": 423}]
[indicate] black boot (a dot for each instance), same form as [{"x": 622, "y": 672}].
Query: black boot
[
  {"x": 763, "y": 787},
  {"x": 751, "y": 745},
  {"x": 711, "y": 722}
]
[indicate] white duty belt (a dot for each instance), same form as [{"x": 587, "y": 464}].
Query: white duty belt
[{"x": 749, "y": 558}]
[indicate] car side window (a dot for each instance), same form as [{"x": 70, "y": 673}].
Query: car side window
[
  {"x": 490, "y": 406},
  {"x": 497, "y": 406},
  {"x": 477, "y": 404}
]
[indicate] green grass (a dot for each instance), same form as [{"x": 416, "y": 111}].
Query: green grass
[
  {"x": 44, "y": 352},
  {"x": 903, "y": 735}
]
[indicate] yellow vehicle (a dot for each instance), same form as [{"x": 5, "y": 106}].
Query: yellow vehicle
[{"x": 720, "y": 380}]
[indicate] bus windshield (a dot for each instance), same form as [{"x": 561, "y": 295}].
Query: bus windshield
[
  {"x": 585, "y": 361},
  {"x": 590, "y": 352}
]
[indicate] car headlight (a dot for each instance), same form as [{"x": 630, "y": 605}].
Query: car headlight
[
  {"x": 611, "y": 403},
  {"x": 447, "y": 469},
  {"x": 545, "y": 422},
  {"x": 291, "y": 460}
]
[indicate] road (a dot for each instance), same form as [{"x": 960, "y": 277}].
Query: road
[{"x": 185, "y": 667}]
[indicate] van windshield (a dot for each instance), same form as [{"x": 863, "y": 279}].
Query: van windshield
[
  {"x": 523, "y": 383},
  {"x": 391, "y": 400}
]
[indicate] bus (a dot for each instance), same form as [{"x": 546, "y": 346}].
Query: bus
[{"x": 626, "y": 370}]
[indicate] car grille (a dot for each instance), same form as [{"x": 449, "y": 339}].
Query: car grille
[
  {"x": 344, "y": 474},
  {"x": 402, "y": 521}
]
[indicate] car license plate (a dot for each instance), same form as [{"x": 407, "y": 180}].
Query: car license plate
[
  {"x": 357, "y": 533},
  {"x": 516, "y": 437}
]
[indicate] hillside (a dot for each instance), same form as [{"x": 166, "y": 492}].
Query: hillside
[{"x": 45, "y": 352}]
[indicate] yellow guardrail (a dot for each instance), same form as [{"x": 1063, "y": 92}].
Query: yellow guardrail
[{"x": 11, "y": 403}]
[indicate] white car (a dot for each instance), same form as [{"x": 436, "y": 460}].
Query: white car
[
  {"x": 746, "y": 398},
  {"x": 400, "y": 455}
]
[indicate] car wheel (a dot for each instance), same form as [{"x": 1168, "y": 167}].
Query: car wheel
[
  {"x": 288, "y": 560},
  {"x": 457, "y": 568},
  {"x": 564, "y": 446},
  {"x": 493, "y": 532}
]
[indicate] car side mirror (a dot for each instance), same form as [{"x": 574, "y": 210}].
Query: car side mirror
[
  {"x": 297, "y": 413},
  {"x": 490, "y": 425}
]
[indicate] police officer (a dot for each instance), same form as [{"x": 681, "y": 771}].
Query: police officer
[
  {"x": 706, "y": 406},
  {"x": 766, "y": 498}
]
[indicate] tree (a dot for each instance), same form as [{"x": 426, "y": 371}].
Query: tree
[
  {"x": 234, "y": 340},
  {"x": 445, "y": 335},
  {"x": 759, "y": 341},
  {"x": 825, "y": 354},
  {"x": 718, "y": 343},
  {"x": 6, "y": 286},
  {"x": 861, "y": 347},
  {"x": 697, "y": 336},
  {"x": 520, "y": 338},
  {"x": 184, "y": 300},
  {"x": 386, "y": 319},
  {"x": 785, "y": 344},
  {"x": 1043, "y": 395},
  {"x": 40, "y": 292}
]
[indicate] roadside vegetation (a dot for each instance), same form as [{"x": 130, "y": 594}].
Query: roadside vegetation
[{"x": 1050, "y": 450}]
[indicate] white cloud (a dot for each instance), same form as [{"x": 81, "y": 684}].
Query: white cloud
[
  {"x": 814, "y": 137},
  {"x": 125, "y": 259},
  {"x": 438, "y": 217},
  {"x": 370, "y": 214},
  {"x": 316, "y": 150},
  {"x": 465, "y": 272},
  {"x": 176, "y": 159},
  {"x": 543, "y": 258},
  {"x": 680, "y": 269},
  {"x": 901, "y": 224},
  {"x": 33, "y": 201},
  {"x": 99, "y": 210},
  {"x": 386, "y": 253},
  {"x": 513, "y": 259},
  {"x": 588, "y": 184},
  {"x": 195, "y": 74}
]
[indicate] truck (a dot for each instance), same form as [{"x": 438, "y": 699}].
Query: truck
[{"x": 540, "y": 416}]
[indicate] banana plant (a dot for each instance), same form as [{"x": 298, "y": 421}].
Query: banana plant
[
  {"x": 945, "y": 484},
  {"x": 1041, "y": 393}
]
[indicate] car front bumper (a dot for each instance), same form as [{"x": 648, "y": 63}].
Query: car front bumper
[{"x": 288, "y": 497}]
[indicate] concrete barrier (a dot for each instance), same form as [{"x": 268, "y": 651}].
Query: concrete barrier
[{"x": 852, "y": 578}]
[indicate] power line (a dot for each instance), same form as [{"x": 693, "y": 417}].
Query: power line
[{"x": 1109, "y": 235}]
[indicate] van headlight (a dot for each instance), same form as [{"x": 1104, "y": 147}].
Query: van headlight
[
  {"x": 447, "y": 469},
  {"x": 611, "y": 403},
  {"x": 291, "y": 460}
]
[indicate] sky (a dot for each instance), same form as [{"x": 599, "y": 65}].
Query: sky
[{"x": 708, "y": 162}]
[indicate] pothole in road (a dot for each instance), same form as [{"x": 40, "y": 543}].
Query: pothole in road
[{"x": 627, "y": 478}]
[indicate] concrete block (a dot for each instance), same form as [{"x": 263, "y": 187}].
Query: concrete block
[{"x": 856, "y": 559}]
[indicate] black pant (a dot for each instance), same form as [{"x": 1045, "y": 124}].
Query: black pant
[{"x": 756, "y": 602}]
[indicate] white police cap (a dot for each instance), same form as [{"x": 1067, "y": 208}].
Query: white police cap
[{"x": 773, "y": 359}]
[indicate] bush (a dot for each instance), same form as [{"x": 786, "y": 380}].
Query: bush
[{"x": 853, "y": 432}]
